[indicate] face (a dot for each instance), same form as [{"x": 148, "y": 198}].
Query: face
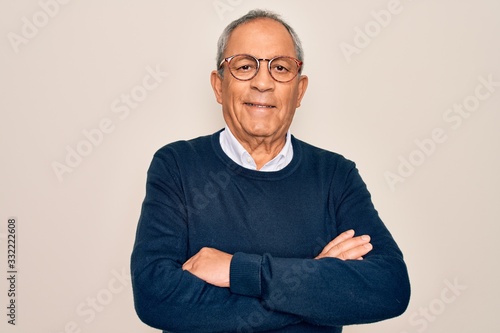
[{"x": 261, "y": 108}]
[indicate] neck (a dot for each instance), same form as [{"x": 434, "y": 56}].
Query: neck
[
  {"x": 262, "y": 152},
  {"x": 262, "y": 149}
]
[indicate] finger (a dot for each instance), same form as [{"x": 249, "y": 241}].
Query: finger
[
  {"x": 344, "y": 250},
  {"x": 337, "y": 240},
  {"x": 356, "y": 253},
  {"x": 337, "y": 243},
  {"x": 186, "y": 266}
]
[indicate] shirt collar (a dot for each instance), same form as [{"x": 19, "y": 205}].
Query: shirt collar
[{"x": 233, "y": 148}]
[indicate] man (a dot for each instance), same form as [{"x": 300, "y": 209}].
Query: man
[{"x": 252, "y": 230}]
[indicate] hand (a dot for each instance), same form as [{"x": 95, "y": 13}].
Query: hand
[
  {"x": 346, "y": 247},
  {"x": 210, "y": 265}
]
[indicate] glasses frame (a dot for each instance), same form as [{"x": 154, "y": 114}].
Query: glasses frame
[{"x": 269, "y": 61}]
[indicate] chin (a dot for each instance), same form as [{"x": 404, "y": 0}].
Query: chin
[{"x": 261, "y": 132}]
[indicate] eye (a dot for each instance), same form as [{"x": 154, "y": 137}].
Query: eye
[
  {"x": 245, "y": 68},
  {"x": 279, "y": 68},
  {"x": 243, "y": 64},
  {"x": 282, "y": 65}
]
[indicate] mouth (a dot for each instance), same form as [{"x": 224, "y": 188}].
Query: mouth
[{"x": 263, "y": 106}]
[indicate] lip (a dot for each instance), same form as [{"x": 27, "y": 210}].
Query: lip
[{"x": 260, "y": 105}]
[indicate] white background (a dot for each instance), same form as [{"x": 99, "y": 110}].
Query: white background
[{"x": 76, "y": 231}]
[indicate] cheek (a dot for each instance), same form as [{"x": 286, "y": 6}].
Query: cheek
[
  {"x": 294, "y": 99},
  {"x": 290, "y": 99},
  {"x": 231, "y": 94}
]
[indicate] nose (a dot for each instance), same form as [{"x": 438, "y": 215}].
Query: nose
[{"x": 263, "y": 80}]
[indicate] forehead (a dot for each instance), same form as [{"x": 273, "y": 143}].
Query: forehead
[{"x": 261, "y": 37}]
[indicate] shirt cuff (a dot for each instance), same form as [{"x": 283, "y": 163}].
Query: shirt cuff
[{"x": 244, "y": 274}]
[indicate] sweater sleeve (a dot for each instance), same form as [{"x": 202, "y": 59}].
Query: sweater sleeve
[
  {"x": 330, "y": 291},
  {"x": 165, "y": 296}
]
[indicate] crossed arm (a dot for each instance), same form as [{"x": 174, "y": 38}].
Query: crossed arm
[
  {"x": 335, "y": 288},
  {"x": 213, "y": 266}
]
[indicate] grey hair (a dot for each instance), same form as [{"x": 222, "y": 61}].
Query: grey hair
[{"x": 250, "y": 16}]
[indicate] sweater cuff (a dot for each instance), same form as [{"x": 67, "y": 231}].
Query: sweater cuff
[{"x": 244, "y": 274}]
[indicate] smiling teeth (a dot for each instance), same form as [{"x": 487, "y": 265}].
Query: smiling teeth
[{"x": 260, "y": 106}]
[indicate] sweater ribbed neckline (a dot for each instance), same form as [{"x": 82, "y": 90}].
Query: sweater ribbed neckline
[{"x": 255, "y": 174}]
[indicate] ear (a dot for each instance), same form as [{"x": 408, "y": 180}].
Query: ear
[
  {"x": 303, "y": 82},
  {"x": 216, "y": 82}
]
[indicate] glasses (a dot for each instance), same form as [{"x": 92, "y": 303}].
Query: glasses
[{"x": 245, "y": 67}]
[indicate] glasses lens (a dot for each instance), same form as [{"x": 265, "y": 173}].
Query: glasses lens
[
  {"x": 283, "y": 69},
  {"x": 243, "y": 67}
]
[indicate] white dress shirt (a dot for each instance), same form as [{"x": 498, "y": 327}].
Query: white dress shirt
[{"x": 231, "y": 146}]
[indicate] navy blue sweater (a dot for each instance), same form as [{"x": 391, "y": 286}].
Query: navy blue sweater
[{"x": 274, "y": 223}]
